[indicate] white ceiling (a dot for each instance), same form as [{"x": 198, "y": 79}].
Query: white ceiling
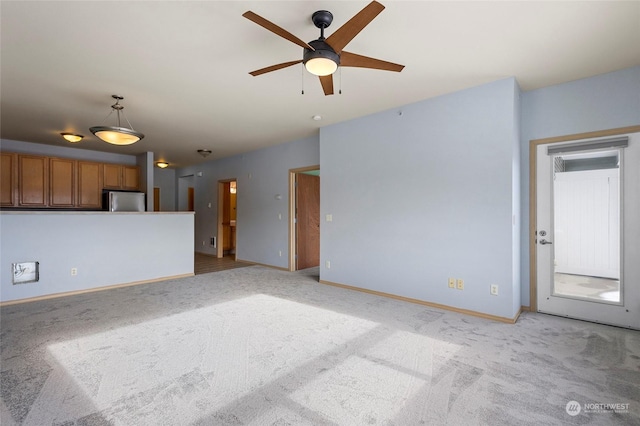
[{"x": 183, "y": 66}]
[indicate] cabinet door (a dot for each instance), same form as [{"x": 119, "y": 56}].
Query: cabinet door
[
  {"x": 62, "y": 179},
  {"x": 89, "y": 185},
  {"x": 8, "y": 180},
  {"x": 112, "y": 176},
  {"x": 33, "y": 185},
  {"x": 131, "y": 177}
]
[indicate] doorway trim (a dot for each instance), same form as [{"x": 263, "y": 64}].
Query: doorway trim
[
  {"x": 292, "y": 212},
  {"x": 533, "y": 148},
  {"x": 219, "y": 226}
]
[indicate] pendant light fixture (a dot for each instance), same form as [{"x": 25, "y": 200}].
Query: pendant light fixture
[{"x": 117, "y": 135}]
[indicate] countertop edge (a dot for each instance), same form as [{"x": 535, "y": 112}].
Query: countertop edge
[{"x": 42, "y": 212}]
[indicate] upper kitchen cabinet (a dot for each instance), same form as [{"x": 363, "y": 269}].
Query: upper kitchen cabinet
[
  {"x": 116, "y": 176},
  {"x": 131, "y": 177},
  {"x": 62, "y": 182},
  {"x": 8, "y": 172},
  {"x": 89, "y": 185},
  {"x": 33, "y": 181}
]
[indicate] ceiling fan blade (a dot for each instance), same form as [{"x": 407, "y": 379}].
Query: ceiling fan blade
[
  {"x": 343, "y": 35},
  {"x": 274, "y": 68},
  {"x": 352, "y": 60},
  {"x": 327, "y": 84},
  {"x": 275, "y": 29}
]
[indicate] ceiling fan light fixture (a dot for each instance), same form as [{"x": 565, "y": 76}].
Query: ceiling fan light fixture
[
  {"x": 321, "y": 66},
  {"x": 73, "y": 138},
  {"x": 117, "y": 135},
  {"x": 322, "y": 61}
]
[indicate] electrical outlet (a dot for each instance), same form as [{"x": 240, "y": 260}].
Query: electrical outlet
[
  {"x": 74, "y": 271},
  {"x": 460, "y": 284},
  {"x": 494, "y": 289},
  {"x": 452, "y": 283}
]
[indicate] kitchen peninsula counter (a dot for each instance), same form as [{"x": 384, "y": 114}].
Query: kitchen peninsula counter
[{"x": 103, "y": 248}]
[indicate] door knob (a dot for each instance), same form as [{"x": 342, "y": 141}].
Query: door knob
[{"x": 543, "y": 242}]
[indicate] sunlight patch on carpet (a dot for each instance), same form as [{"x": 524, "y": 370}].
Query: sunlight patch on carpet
[
  {"x": 374, "y": 386},
  {"x": 228, "y": 350}
]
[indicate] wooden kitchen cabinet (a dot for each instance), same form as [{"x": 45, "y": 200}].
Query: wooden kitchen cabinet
[
  {"x": 62, "y": 182},
  {"x": 89, "y": 185},
  {"x": 131, "y": 177},
  {"x": 33, "y": 181},
  {"x": 116, "y": 176},
  {"x": 112, "y": 176},
  {"x": 8, "y": 175}
]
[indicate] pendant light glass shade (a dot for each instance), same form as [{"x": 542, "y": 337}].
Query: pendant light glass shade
[{"x": 117, "y": 135}]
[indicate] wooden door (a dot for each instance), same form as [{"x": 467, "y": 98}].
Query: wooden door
[
  {"x": 33, "y": 181},
  {"x": 89, "y": 185},
  {"x": 226, "y": 217},
  {"x": 307, "y": 221},
  {"x": 191, "y": 203},
  {"x": 156, "y": 199},
  {"x": 62, "y": 177},
  {"x": 8, "y": 180}
]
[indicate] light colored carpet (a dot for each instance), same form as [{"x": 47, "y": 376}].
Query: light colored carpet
[{"x": 258, "y": 346}]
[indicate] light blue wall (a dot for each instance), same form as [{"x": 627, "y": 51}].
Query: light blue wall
[
  {"x": 262, "y": 175},
  {"x": 106, "y": 248},
  {"x": 423, "y": 193},
  {"x": 598, "y": 103},
  {"x": 165, "y": 179}
]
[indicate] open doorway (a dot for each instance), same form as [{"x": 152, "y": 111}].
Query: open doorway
[
  {"x": 304, "y": 218},
  {"x": 186, "y": 194},
  {"x": 227, "y": 214}
]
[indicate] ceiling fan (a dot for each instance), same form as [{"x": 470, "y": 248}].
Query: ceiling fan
[{"x": 322, "y": 57}]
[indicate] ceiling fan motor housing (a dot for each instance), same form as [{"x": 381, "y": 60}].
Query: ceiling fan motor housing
[
  {"x": 322, "y": 50},
  {"x": 322, "y": 18}
]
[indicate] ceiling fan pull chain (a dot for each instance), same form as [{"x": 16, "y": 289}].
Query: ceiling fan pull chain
[
  {"x": 340, "y": 88},
  {"x": 302, "y": 81}
]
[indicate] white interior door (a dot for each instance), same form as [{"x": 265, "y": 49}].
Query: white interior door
[{"x": 588, "y": 231}]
